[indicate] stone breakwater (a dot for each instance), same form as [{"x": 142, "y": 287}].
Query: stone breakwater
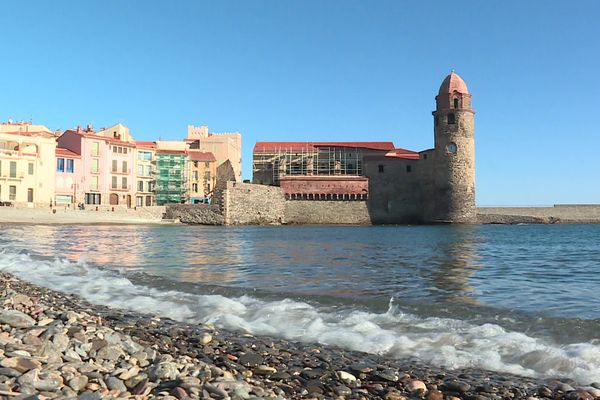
[{"x": 58, "y": 346}]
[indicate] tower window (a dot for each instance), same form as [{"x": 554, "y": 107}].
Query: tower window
[
  {"x": 451, "y": 119},
  {"x": 408, "y": 168},
  {"x": 455, "y": 103},
  {"x": 380, "y": 168}
]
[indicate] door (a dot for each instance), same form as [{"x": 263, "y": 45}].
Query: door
[
  {"x": 128, "y": 201},
  {"x": 30, "y": 195},
  {"x": 114, "y": 199}
]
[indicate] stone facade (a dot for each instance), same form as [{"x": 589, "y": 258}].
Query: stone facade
[
  {"x": 327, "y": 212},
  {"x": 432, "y": 186},
  {"x": 249, "y": 204}
]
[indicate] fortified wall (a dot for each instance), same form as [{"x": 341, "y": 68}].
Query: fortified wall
[{"x": 252, "y": 204}]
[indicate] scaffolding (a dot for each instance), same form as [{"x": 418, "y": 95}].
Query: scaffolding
[
  {"x": 171, "y": 182},
  {"x": 269, "y": 167}
]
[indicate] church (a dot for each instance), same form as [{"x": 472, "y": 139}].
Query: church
[{"x": 396, "y": 185}]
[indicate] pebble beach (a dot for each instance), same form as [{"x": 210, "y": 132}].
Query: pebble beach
[{"x": 54, "y": 346}]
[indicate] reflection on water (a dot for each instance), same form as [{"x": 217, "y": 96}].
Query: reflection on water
[
  {"x": 455, "y": 261},
  {"x": 550, "y": 270}
]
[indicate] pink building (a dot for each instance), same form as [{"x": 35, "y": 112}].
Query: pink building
[
  {"x": 107, "y": 166},
  {"x": 69, "y": 177}
]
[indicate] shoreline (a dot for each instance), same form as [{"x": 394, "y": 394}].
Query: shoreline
[
  {"x": 61, "y": 216},
  {"x": 61, "y": 346}
]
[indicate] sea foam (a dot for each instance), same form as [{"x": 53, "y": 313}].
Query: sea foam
[{"x": 452, "y": 343}]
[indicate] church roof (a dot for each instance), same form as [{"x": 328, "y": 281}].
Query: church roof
[
  {"x": 284, "y": 146},
  {"x": 453, "y": 83}
]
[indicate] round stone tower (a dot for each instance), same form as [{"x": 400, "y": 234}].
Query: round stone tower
[{"x": 454, "y": 168}]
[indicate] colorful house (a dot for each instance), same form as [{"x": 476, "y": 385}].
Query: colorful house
[
  {"x": 26, "y": 165},
  {"x": 106, "y": 162},
  {"x": 202, "y": 176},
  {"x": 69, "y": 176},
  {"x": 145, "y": 158}
]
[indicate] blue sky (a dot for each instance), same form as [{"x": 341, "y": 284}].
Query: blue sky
[{"x": 281, "y": 70}]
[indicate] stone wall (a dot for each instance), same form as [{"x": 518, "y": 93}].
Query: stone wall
[
  {"x": 559, "y": 213},
  {"x": 196, "y": 214},
  {"x": 250, "y": 204},
  {"x": 395, "y": 195},
  {"x": 327, "y": 212}
]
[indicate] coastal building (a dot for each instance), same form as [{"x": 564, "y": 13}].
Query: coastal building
[
  {"x": 171, "y": 168},
  {"x": 107, "y": 158},
  {"x": 69, "y": 175},
  {"x": 145, "y": 159},
  {"x": 26, "y": 164},
  {"x": 202, "y": 176},
  {"x": 225, "y": 146},
  {"x": 436, "y": 185}
]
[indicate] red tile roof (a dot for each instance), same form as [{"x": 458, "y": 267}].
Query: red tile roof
[
  {"x": 272, "y": 146},
  {"x": 66, "y": 153},
  {"x": 166, "y": 151},
  {"x": 92, "y": 135},
  {"x": 30, "y": 133},
  {"x": 453, "y": 83},
  {"x": 201, "y": 156},
  {"x": 149, "y": 145}
]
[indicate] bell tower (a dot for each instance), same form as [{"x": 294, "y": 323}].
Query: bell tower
[{"x": 454, "y": 168}]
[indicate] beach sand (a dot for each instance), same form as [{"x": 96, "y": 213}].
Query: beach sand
[{"x": 63, "y": 215}]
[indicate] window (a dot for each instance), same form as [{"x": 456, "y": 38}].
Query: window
[
  {"x": 380, "y": 168},
  {"x": 30, "y": 195},
  {"x": 140, "y": 186},
  {"x": 195, "y": 164},
  {"x": 140, "y": 170},
  {"x": 124, "y": 167},
  {"x": 30, "y": 168},
  {"x": 424, "y": 156},
  {"x": 114, "y": 165},
  {"x": 92, "y": 198},
  {"x": 13, "y": 169},
  {"x": 195, "y": 175},
  {"x": 95, "y": 148},
  {"x": 451, "y": 119},
  {"x": 70, "y": 165},
  {"x": 408, "y": 168},
  {"x": 207, "y": 164},
  {"x": 114, "y": 182},
  {"x": 195, "y": 187},
  {"x": 124, "y": 150},
  {"x": 94, "y": 184},
  {"x": 124, "y": 183},
  {"x": 60, "y": 165},
  {"x": 455, "y": 103},
  {"x": 120, "y": 150},
  {"x": 12, "y": 192},
  {"x": 95, "y": 166},
  {"x": 114, "y": 149},
  {"x": 144, "y": 156},
  {"x": 139, "y": 201}
]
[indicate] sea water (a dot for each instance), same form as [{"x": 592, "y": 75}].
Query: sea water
[{"x": 522, "y": 299}]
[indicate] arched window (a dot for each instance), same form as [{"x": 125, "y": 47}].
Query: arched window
[
  {"x": 451, "y": 119},
  {"x": 455, "y": 103}
]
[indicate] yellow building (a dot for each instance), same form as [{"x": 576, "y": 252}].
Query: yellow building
[
  {"x": 202, "y": 176},
  {"x": 27, "y": 165},
  {"x": 225, "y": 146}
]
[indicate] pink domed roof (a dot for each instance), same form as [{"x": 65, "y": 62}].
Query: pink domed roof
[{"x": 453, "y": 83}]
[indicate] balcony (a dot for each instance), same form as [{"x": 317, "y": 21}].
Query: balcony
[
  {"x": 120, "y": 188},
  {"x": 13, "y": 177},
  {"x": 121, "y": 172}
]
